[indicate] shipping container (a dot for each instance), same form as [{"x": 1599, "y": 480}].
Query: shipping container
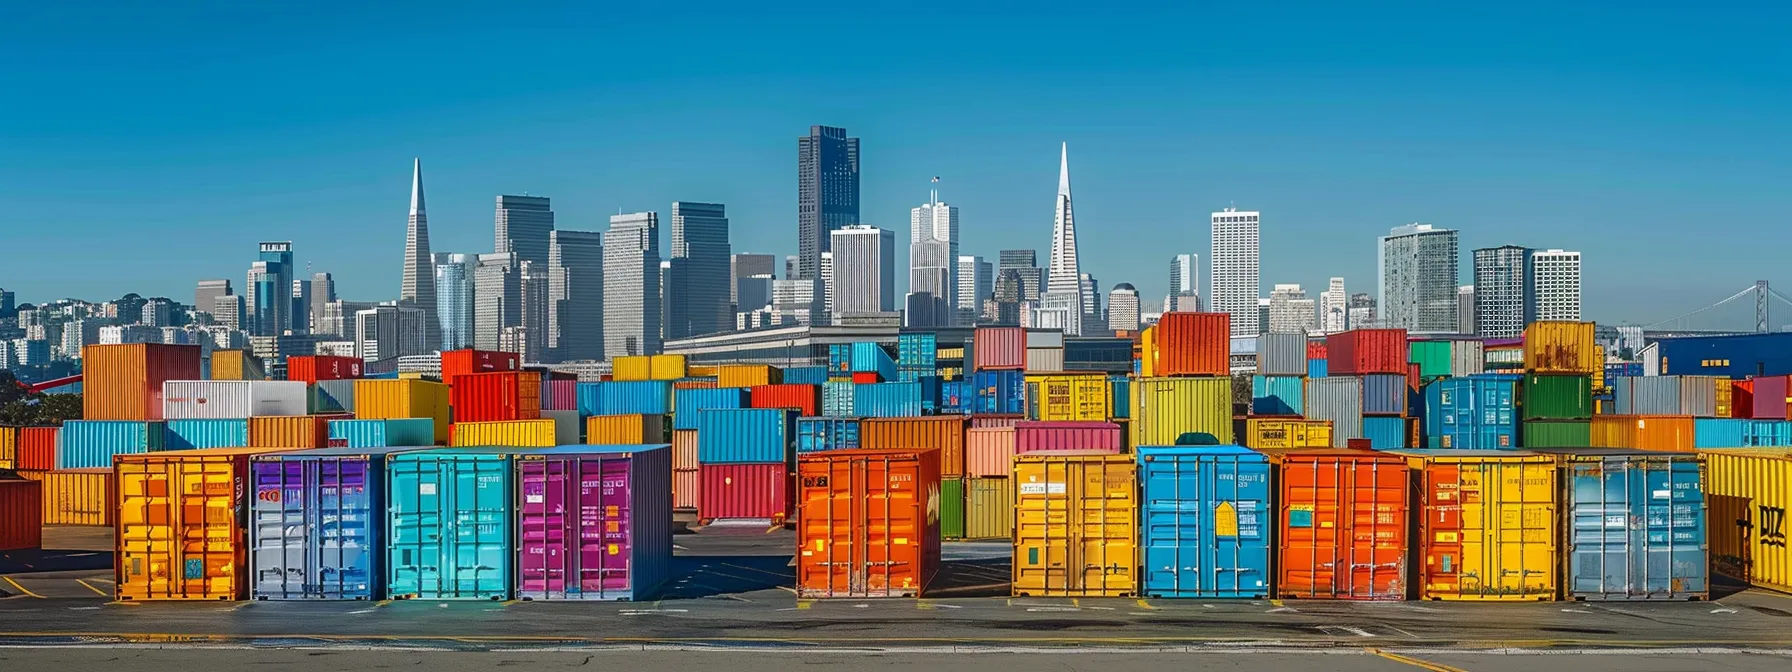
[
  {"x": 748, "y": 375},
  {"x": 1282, "y": 355},
  {"x": 632, "y": 368},
  {"x": 804, "y": 399},
  {"x": 496, "y": 397},
  {"x": 92, "y": 443},
  {"x": 1435, "y": 358},
  {"x": 457, "y": 362},
  {"x": 1736, "y": 433},
  {"x": 873, "y": 358},
  {"x": 1045, "y": 360},
  {"x": 667, "y": 367},
  {"x": 744, "y": 492},
  {"x": 233, "y": 399},
  {"x": 650, "y": 397},
  {"x": 1069, "y": 397},
  {"x": 686, "y": 478},
  {"x": 1467, "y": 358},
  {"x": 999, "y": 348},
  {"x": 1364, "y": 351},
  {"x": 299, "y": 431},
  {"x": 38, "y": 447},
  {"x": 1342, "y": 519},
  {"x": 956, "y": 397},
  {"x": 314, "y": 368},
  {"x": 199, "y": 434},
  {"x": 989, "y": 452},
  {"x": 690, "y": 404},
  {"x": 742, "y": 436},
  {"x": 1192, "y": 344},
  {"x": 507, "y": 434},
  {"x": 839, "y": 360},
  {"x": 1202, "y": 530},
  {"x": 1000, "y": 392},
  {"x": 1767, "y": 398},
  {"x": 381, "y": 433},
  {"x": 21, "y": 514},
  {"x": 594, "y": 523},
  {"x": 1489, "y": 527},
  {"x": 124, "y": 382},
  {"x": 1340, "y": 400},
  {"x": 1474, "y": 412},
  {"x": 1077, "y": 526},
  {"x": 887, "y": 400},
  {"x": 869, "y": 525},
  {"x": 1317, "y": 368},
  {"x": 1091, "y": 437},
  {"x": 1277, "y": 395},
  {"x": 944, "y": 433},
  {"x": 332, "y": 396},
  {"x": 1385, "y": 394},
  {"x": 1558, "y": 397},
  {"x": 1560, "y": 348},
  {"x": 989, "y": 508},
  {"x": 1385, "y": 432},
  {"x": 820, "y": 433},
  {"x": 952, "y": 505},
  {"x": 396, "y": 399},
  {"x": 1671, "y": 433},
  {"x": 837, "y": 399},
  {"x": 1557, "y": 434},
  {"x": 637, "y": 429},
  {"x": 917, "y": 351},
  {"x": 559, "y": 392},
  {"x": 693, "y": 384},
  {"x": 84, "y": 496},
  {"x": 166, "y": 501},
  {"x": 236, "y": 365},
  {"x": 9, "y": 447},
  {"x": 1167, "y": 411},
  {"x": 1262, "y": 433},
  {"x": 451, "y": 522},
  {"x": 316, "y": 525},
  {"x": 1120, "y": 397},
  {"x": 1747, "y": 493},
  {"x": 1634, "y": 523},
  {"x": 805, "y": 375}
]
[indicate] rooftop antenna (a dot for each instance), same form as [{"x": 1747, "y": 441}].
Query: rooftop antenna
[{"x": 936, "y": 191}]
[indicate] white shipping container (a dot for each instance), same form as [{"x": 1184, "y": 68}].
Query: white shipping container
[
  {"x": 1045, "y": 360},
  {"x": 1468, "y": 358},
  {"x": 233, "y": 399}
]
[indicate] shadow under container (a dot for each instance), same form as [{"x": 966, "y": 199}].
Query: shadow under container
[
  {"x": 594, "y": 522},
  {"x": 866, "y": 524},
  {"x": 1489, "y": 525}
]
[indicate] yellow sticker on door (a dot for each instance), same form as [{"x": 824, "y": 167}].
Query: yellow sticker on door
[{"x": 1225, "y": 520}]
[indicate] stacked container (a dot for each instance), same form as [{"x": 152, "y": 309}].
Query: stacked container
[
  {"x": 9, "y": 447},
  {"x": 804, "y": 399},
  {"x": 917, "y": 355},
  {"x": 1202, "y": 532},
  {"x": 92, "y": 443},
  {"x": 1045, "y": 350},
  {"x": 1556, "y": 399},
  {"x": 593, "y": 522},
  {"x": 1283, "y": 433},
  {"x": 459, "y": 362},
  {"x": 645, "y": 397},
  {"x": 1179, "y": 411},
  {"x": 627, "y": 430},
  {"x": 87, "y": 496},
  {"x": 690, "y": 404},
  {"x": 497, "y": 396},
  {"x": 867, "y": 525},
  {"x": 744, "y": 456},
  {"x": 1372, "y": 363},
  {"x": 944, "y": 434},
  {"x": 317, "y": 368},
  {"x": 687, "y": 471},
  {"x": 124, "y": 382},
  {"x": 1476, "y": 412},
  {"x": 393, "y": 399},
  {"x": 1748, "y": 493},
  {"x": 823, "y": 433},
  {"x": 380, "y": 433},
  {"x": 748, "y": 375}
]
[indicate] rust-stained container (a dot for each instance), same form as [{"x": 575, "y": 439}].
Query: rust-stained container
[
  {"x": 387, "y": 399},
  {"x": 297, "y": 431},
  {"x": 37, "y": 448},
  {"x": 868, "y": 523},
  {"x": 989, "y": 452},
  {"x": 1262, "y": 433},
  {"x": 942, "y": 432},
  {"x": 457, "y": 362},
  {"x": 1094, "y": 437},
  {"x": 999, "y": 348},
  {"x": 236, "y": 365},
  {"x": 80, "y": 497},
  {"x": 1672, "y": 433},
  {"x": 180, "y": 525},
  {"x": 748, "y": 375},
  {"x": 804, "y": 399},
  {"x": 1193, "y": 344},
  {"x": 629, "y": 430},
  {"x": 9, "y": 447},
  {"x": 124, "y": 382},
  {"x": 687, "y": 480},
  {"x": 314, "y": 368},
  {"x": 1070, "y": 397},
  {"x": 744, "y": 491},
  {"x": 989, "y": 508},
  {"x": 496, "y": 397},
  {"x": 1077, "y": 526},
  {"x": 1342, "y": 524},
  {"x": 1747, "y": 494},
  {"x": 1489, "y": 524},
  {"x": 1365, "y": 351},
  {"x": 1560, "y": 347},
  {"x": 21, "y": 514}
]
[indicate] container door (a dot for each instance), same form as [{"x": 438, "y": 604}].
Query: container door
[
  {"x": 606, "y": 537},
  {"x": 480, "y": 548},
  {"x": 1043, "y": 530},
  {"x": 1602, "y": 529},
  {"x": 282, "y": 553},
  {"x": 541, "y": 557},
  {"x": 1313, "y": 537},
  {"x": 421, "y": 536},
  {"x": 1670, "y": 530},
  {"x": 1236, "y": 552},
  {"x": 1377, "y": 501},
  {"x": 178, "y": 530},
  {"x": 1172, "y": 523},
  {"x": 342, "y": 535},
  {"x": 1491, "y": 528}
]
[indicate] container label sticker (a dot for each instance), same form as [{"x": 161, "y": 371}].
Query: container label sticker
[
  {"x": 1663, "y": 494},
  {"x": 1300, "y": 515},
  {"x": 1225, "y": 520},
  {"x": 1614, "y": 520},
  {"x": 426, "y": 489},
  {"x": 534, "y": 499},
  {"x": 1043, "y": 488},
  {"x": 614, "y": 549}
]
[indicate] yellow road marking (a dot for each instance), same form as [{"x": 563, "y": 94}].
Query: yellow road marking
[
  {"x": 96, "y": 591},
  {"x": 1075, "y": 603},
  {"x": 1146, "y": 605},
  {"x": 22, "y": 589},
  {"x": 804, "y": 604},
  {"x": 1276, "y": 603},
  {"x": 1433, "y": 667},
  {"x": 924, "y": 605},
  {"x": 774, "y": 528}
]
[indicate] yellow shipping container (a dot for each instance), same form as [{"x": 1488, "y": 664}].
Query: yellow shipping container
[
  {"x": 1599, "y": 371},
  {"x": 1281, "y": 433},
  {"x": 9, "y": 447},
  {"x": 80, "y": 497},
  {"x": 665, "y": 367},
  {"x": 236, "y": 365},
  {"x": 180, "y": 534},
  {"x": 606, "y": 430},
  {"x": 989, "y": 508},
  {"x": 411, "y": 375},
  {"x": 397, "y": 399},
  {"x": 1560, "y": 347},
  {"x": 1069, "y": 397},
  {"x": 1148, "y": 353},
  {"x": 1076, "y": 526},
  {"x": 508, "y": 433},
  {"x": 1164, "y": 409},
  {"x": 631, "y": 368},
  {"x": 296, "y": 431},
  {"x": 1747, "y": 493},
  {"x": 1489, "y": 525},
  {"x": 1725, "y": 393},
  {"x": 701, "y": 371},
  {"x": 748, "y": 375}
]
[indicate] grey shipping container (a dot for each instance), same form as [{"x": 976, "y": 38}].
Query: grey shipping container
[
  {"x": 1384, "y": 394},
  {"x": 1666, "y": 395},
  {"x": 1045, "y": 360},
  {"x": 1340, "y": 400},
  {"x": 1468, "y": 358},
  {"x": 1282, "y": 355},
  {"x": 1045, "y": 338}
]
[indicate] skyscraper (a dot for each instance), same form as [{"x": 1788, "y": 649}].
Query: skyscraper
[
  {"x": 929, "y": 282},
  {"x": 454, "y": 299},
  {"x": 1362, "y": 312},
  {"x": 497, "y": 298},
  {"x": 1026, "y": 264},
  {"x": 1064, "y": 276},
  {"x": 827, "y": 195},
  {"x": 936, "y": 221},
  {"x": 301, "y": 306},
  {"x": 532, "y": 343},
  {"x": 228, "y": 311},
  {"x": 1502, "y": 291},
  {"x": 826, "y": 282},
  {"x": 203, "y": 296},
  {"x": 576, "y": 295},
  {"x": 748, "y": 265},
  {"x": 1004, "y": 306},
  {"x": 864, "y": 270},
  {"x": 632, "y": 308},
  {"x": 1555, "y": 283},
  {"x": 669, "y": 288},
  {"x": 389, "y": 331},
  {"x": 1290, "y": 311},
  {"x": 323, "y": 291},
  {"x": 1419, "y": 279},
  {"x": 1465, "y": 309},
  {"x": 1236, "y": 280},
  {"x": 1123, "y": 308},
  {"x": 700, "y": 240},
  {"x": 1091, "y": 291},
  {"x": 1184, "y": 278},
  {"x": 270, "y": 295},
  {"x": 418, "y": 286},
  {"x": 1334, "y": 308},
  {"x": 975, "y": 285},
  {"x": 522, "y": 226}
]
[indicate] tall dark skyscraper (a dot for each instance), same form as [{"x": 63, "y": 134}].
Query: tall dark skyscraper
[
  {"x": 827, "y": 196},
  {"x": 700, "y": 260}
]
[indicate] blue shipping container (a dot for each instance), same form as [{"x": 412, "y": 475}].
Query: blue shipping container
[
  {"x": 839, "y": 360},
  {"x": 887, "y": 400},
  {"x": 955, "y": 397},
  {"x": 836, "y": 399},
  {"x": 1204, "y": 521},
  {"x": 1277, "y": 395},
  {"x": 451, "y": 516},
  {"x": 1636, "y": 526},
  {"x": 316, "y": 523},
  {"x": 639, "y": 397},
  {"x": 871, "y": 358},
  {"x": 190, "y": 434},
  {"x": 1317, "y": 368},
  {"x": 745, "y": 436},
  {"x": 805, "y": 375},
  {"x": 930, "y": 394},
  {"x": 89, "y": 444},
  {"x": 1384, "y": 394},
  {"x": 380, "y": 433},
  {"x": 917, "y": 351},
  {"x": 1385, "y": 432},
  {"x": 1002, "y": 392},
  {"x": 1473, "y": 412},
  {"x": 1737, "y": 433},
  {"x": 691, "y": 403},
  {"x": 619, "y": 544},
  {"x": 1122, "y": 406},
  {"x": 818, "y": 434}
]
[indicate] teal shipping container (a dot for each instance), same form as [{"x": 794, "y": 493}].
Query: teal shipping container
[
  {"x": 88, "y": 444},
  {"x": 872, "y": 358},
  {"x": 451, "y": 519},
  {"x": 746, "y": 436},
  {"x": 316, "y": 523},
  {"x": 190, "y": 434},
  {"x": 818, "y": 434},
  {"x": 840, "y": 360},
  {"x": 1384, "y": 432},
  {"x": 691, "y": 403},
  {"x": 837, "y": 399},
  {"x": 1276, "y": 395},
  {"x": 917, "y": 351},
  {"x": 887, "y": 400},
  {"x": 1435, "y": 358},
  {"x": 1204, "y": 521},
  {"x": 1122, "y": 405},
  {"x": 1706, "y": 433},
  {"x": 1636, "y": 525},
  {"x": 635, "y": 397},
  {"x": 332, "y": 396},
  {"x": 1473, "y": 412},
  {"x": 382, "y": 433},
  {"x": 805, "y": 375}
]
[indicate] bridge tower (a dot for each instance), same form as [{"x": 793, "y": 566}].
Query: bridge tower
[{"x": 1761, "y": 306}]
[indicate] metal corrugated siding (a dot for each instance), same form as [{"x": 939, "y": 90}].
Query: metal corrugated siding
[
  {"x": 1385, "y": 433},
  {"x": 1560, "y": 347},
  {"x": 1557, "y": 434},
  {"x": 806, "y": 375},
  {"x": 1467, "y": 358},
  {"x": 816, "y": 434},
  {"x": 382, "y": 433},
  {"x": 1164, "y": 409},
  {"x": 887, "y": 400},
  {"x": 690, "y": 403},
  {"x": 1340, "y": 400},
  {"x": 999, "y": 392},
  {"x": 1741, "y": 486},
  {"x": 1728, "y": 356},
  {"x": 1384, "y": 394},
  {"x": 745, "y": 436},
  {"x": 1661, "y": 553},
  {"x": 1480, "y": 411},
  {"x": 232, "y": 399},
  {"x": 191, "y": 434},
  {"x": 645, "y": 397},
  {"x": 1282, "y": 355},
  {"x": 1317, "y": 368},
  {"x": 1435, "y": 358},
  {"x": 1204, "y": 507},
  {"x": 92, "y": 443},
  {"x": 1557, "y": 397},
  {"x": 333, "y": 396},
  {"x": 505, "y": 433},
  {"x": 1277, "y": 395},
  {"x": 837, "y": 399}
]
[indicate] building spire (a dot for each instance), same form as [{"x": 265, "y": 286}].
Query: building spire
[
  {"x": 417, "y": 186},
  {"x": 1064, "y": 171}
]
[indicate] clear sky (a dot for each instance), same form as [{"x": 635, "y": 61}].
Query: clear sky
[{"x": 145, "y": 146}]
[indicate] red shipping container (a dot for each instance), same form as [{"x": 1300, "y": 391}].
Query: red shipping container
[
  {"x": 1412, "y": 376},
  {"x": 1742, "y": 399},
  {"x": 1316, "y": 349},
  {"x": 313, "y": 368},
  {"x": 1349, "y": 540},
  {"x": 866, "y": 377},
  {"x": 21, "y": 514},
  {"x": 457, "y": 362},
  {"x": 494, "y": 397},
  {"x": 805, "y": 399},
  {"x": 1193, "y": 344},
  {"x": 1769, "y": 398},
  {"x": 999, "y": 348},
  {"x": 744, "y": 491},
  {"x": 124, "y": 382},
  {"x": 1364, "y": 351},
  {"x": 1098, "y": 437},
  {"x": 990, "y": 421},
  {"x": 37, "y": 448}
]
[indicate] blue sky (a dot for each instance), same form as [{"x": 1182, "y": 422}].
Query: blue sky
[{"x": 145, "y": 147}]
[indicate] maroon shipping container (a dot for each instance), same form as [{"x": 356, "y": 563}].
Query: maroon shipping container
[
  {"x": 313, "y": 368},
  {"x": 1101, "y": 437},
  {"x": 560, "y": 392},
  {"x": 1364, "y": 351},
  {"x": 37, "y": 448},
  {"x": 756, "y": 491},
  {"x": 457, "y": 362},
  {"x": 594, "y": 522},
  {"x": 989, "y": 421},
  {"x": 804, "y": 399},
  {"x": 1193, "y": 344},
  {"x": 21, "y": 514},
  {"x": 1769, "y": 402},
  {"x": 999, "y": 348},
  {"x": 495, "y": 397}
]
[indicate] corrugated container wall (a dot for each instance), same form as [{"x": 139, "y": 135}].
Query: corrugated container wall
[
  {"x": 9, "y": 447},
  {"x": 314, "y": 368},
  {"x": 635, "y": 429},
  {"x": 1045, "y": 360},
  {"x": 496, "y": 397},
  {"x": 1362, "y": 351},
  {"x": 1560, "y": 347},
  {"x": 999, "y": 393},
  {"x": 1385, "y": 432},
  {"x": 457, "y": 362},
  {"x": 989, "y": 452},
  {"x": 1282, "y": 355},
  {"x": 124, "y": 382},
  {"x": 745, "y": 436},
  {"x": 649, "y": 397},
  {"x": 744, "y": 491},
  {"x": 170, "y": 498},
  {"x": 1479, "y": 411},
  {"x": 316, "y": 525},
  {"x": 1657, "y": 551},
  {"x": 21, "y": 514},
  {"x": 235, "y": 365},
  {"x": 1193, "y": 344},
  {"x": 868, "y": 525},
  {"x": 300, "y": 431},
  {"x": 805, "y": 375},
  {"x": 1076, "y": 526},
  {"x": 685, "y": 470},
  {"x": 631, "y": 368},
  {"x": 837, "y": 399},
  {"x": 1557, "y": 434},
  {"x": 230, "y": 399},
  {"x": 1467, "y": 358},
  {"x": 667, "y": 367},
  {"x": 197, "y": 434},
  {"x": 748, "y": 375},
  {"x": 507, "y": 433},
  {"x": 999, "y": 348},
  {"x": 944, "y": 433},
  {"x": 872, "y": 358},
  {"x": 92, "y": 443},
  {"x": 1435, "y": 358},
  {"x": 917, "y": 351},
  {"x": 1069, "y": 397},
  {"x": 1203, "y": 533},
  {"x": 1748, "y": 492},
  {"x": 559, "y": 392},
  {"x": 1277, "y": 395},
  {"x": 887, "y": 400},
  {"x": 820, "y": 433},
  {"x": 1090, "y": 437},
  {"x": 1770, "y": 398},
  {"x": 594, "y": 523},
  {"x": 381, "y": 433},
  {"x": 38, "y": 447},
  {"x": 1557, "y": 397},
  {"x": 690, "y": 404},
  {"x": 1489, "y": 526},
  {"x": 1339, "y": 400},
  {"x": 459, "y": 494},
  {"x": 87, "y": 496},
  {"x": 1166, "y": 409},
  {"x": 1384, "y": 394},
  {"x": 333, "y": 396},
  {"x": 397, "y": 399},
  {"x": 1673, "y": 433},
  {"x": 1262, "y": 433},
  {"x": 1734, "y": 433},
  {"x": 1342, "y": 519},
  {"x": 1317, "y": 368},
  {"x": 989, "y": 508},
  {"x": 804, "y": 399},
  {"x": 1671, "y": 395}
]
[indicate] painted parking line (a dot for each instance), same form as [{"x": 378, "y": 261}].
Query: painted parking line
[
  {"x": 26, "y": 591},
  {"x": 1415, "y": 662},
  {"x": 89, "y": 586}
]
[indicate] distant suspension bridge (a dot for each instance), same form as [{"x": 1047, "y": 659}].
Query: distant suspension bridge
[{"x": 1731, "y": 315}]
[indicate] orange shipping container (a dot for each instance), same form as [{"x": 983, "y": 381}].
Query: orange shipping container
[
  {"x": 21, "y": 514},
  {"x": 180, "y": 525},
  {"x": 628, "y": 430},
  {"x": 37, "y": 448},
  {"x": 694, "y": 384},
  {"x": 1673, "y": 433},
  {"x": 685, "y": 476},
  {"x": 869, "y": 523},
  {"x": 989, "y": 452},
  {"x": 298, "y": 431},
  {"x": 80, "y": 497},
  {"x": 942, "y": 432},
  {"x": 805, "y": 399},
  {"x": 124, "y": 382},
  {"x": 1342, "y": 524},
  {"x": 1560, "y": 347},
  {"x": 748, "y": 375},
  {"x": 1193, "y": 344},
  {"x": 9, "y": 447}
]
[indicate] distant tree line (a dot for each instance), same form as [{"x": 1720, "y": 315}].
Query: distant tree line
[{"x": 25, "y": 408}]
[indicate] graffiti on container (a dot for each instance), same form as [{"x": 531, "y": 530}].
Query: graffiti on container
[{"x": 1773, "y": 526}]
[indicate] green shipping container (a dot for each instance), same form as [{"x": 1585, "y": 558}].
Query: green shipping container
[
  {"x": 1547, "y": 397},
  {"x": 1433, "y": 357},
  {"x": 1557, "y": 434},
  {"x": 951, "y": 508}
]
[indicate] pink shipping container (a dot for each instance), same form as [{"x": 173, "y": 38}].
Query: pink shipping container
[
  {"x": 559, "y": 392},
  {"x": 1770, "y": 398},
  {"x": 1100, "y": 437},
  {"x": 989, "y": 452},
  {"x": 999, "y": 348},
  {"x": 1364, "y": 351},
  {"x": 593, "y": 523},
  {"x": 992, "y": 421},
  {"x": 752, "y": 491}
]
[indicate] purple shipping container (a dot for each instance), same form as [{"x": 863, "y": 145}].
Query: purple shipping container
[
  {"x": 594, "y": 522},
  {"x": 1101, "y": 437},
  {"x": 999, "y": 348},
  {"x": 559, "y": 394},
  {"x": 1384, "y": 394},
  {"x": 1769, "y": 400}
]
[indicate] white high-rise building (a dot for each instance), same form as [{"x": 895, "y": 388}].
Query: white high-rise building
[
  {"x": 1064, "y": 276},
  {"x": 1362, "y": 312},
  {"x": 1556, "y": 284},
  {"x": 1503, "y": 292},
  {"x": 576, "y": 295},
  {"x": 976, "y": 282},
  {"x": 1334, "y": 308},
  {"x": 864, "y": 270},
  {"x": 936, "y": 221},
  {"x": 323, "y": 291},
  {"x": 930, "y": 283},
  {"x": 632, "y": 308},
  {"x": 417, "y": 285},
  {"x": 389, "y": 331},
  {"x": 1419, "y": 279},
  {"x": 1236, "y": 279},
  {"x": 454, "y": 300},
  {"x": 1465, "y": 309},
  {"x": 827, "y": 281},
  {"x": 1123, "y": 308},
  {"x": 1291, "y": 312}
]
